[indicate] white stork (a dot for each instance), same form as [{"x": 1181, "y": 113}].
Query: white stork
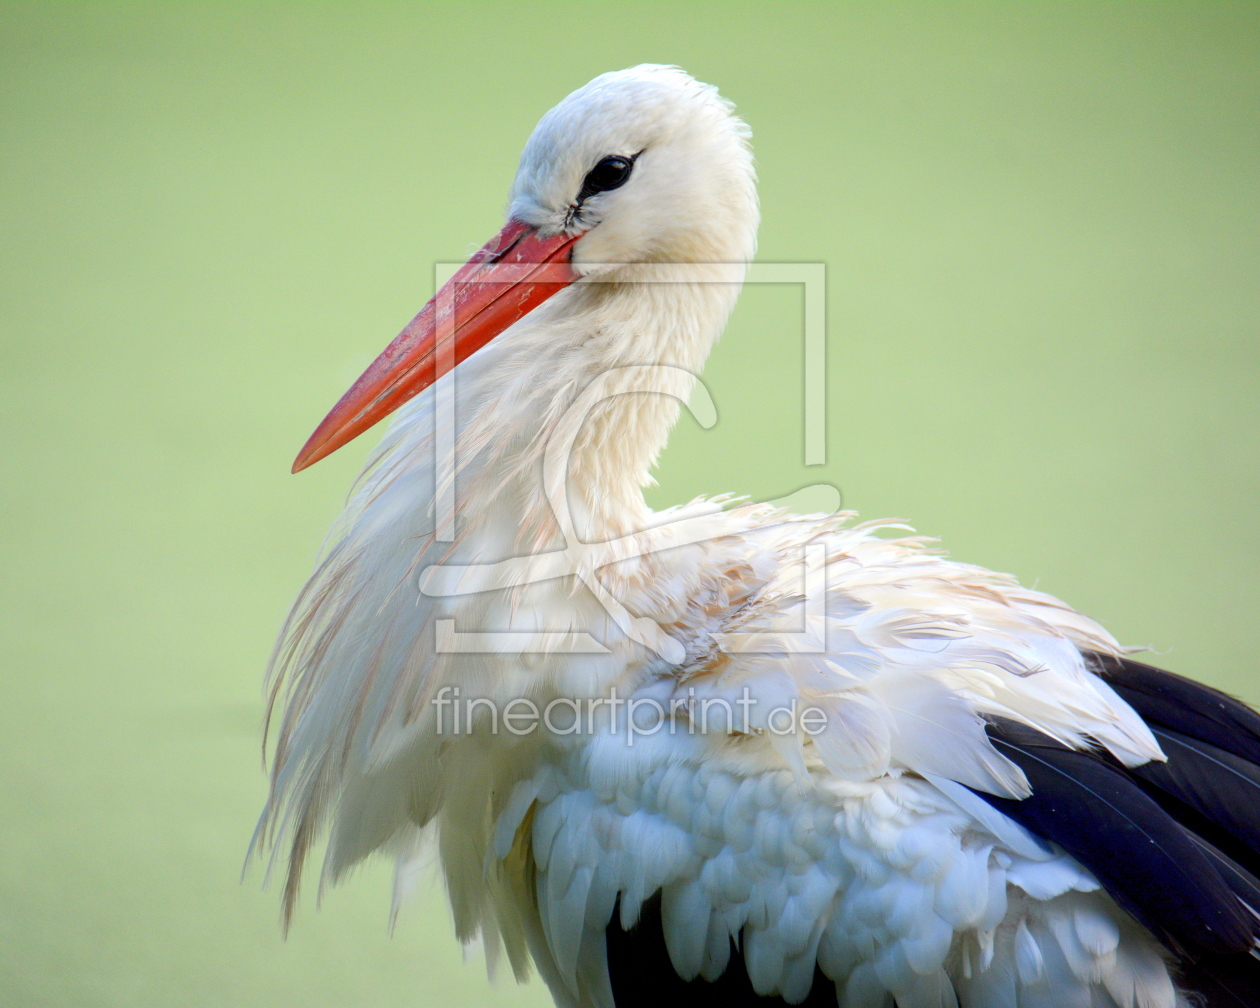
[{"x": 970, "y": 796}]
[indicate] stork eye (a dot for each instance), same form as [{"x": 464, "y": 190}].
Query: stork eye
[{"x": 610, "y": 173}]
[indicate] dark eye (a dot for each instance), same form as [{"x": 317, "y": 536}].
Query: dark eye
[{"x": 610, "y": 173}]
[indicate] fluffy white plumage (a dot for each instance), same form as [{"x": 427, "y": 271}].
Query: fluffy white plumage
[{"x": 857, "y": 848}]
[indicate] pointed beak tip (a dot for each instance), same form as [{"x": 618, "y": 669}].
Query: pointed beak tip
[{"x": 308, "y": 456}]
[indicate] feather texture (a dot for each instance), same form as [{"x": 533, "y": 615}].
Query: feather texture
[
  {"x": 1183, "y": 705},
  {"x": 1140, "y": 854},
  {"x": 1221, "y": 788},
  {"x": 642, "y": 973}
]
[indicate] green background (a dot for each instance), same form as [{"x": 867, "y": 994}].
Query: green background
[{"x": 1039, "y": 225}]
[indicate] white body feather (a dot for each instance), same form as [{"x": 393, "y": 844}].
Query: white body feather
[{"x": 855, "y": 848}]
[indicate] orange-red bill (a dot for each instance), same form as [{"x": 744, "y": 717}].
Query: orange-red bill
[{"x": 504, "y": 281}]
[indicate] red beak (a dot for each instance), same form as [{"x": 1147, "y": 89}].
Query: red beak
[{"x": 504, "y": 281}]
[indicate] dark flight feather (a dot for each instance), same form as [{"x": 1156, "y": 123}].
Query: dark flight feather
[
  {"x": 1213, "y": 792},
  {"x": 1183, "y": 705},
  {"x": 1231, "y": 981},
  {"x": 1225, "y": 981},
  {"x": 1242, "y": 883},
  {"x": 1140, "y": 854}
]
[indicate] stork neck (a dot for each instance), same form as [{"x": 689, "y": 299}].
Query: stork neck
[{"x": 584, "y": 398}]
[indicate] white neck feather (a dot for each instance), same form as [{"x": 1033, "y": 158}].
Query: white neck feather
[{"x": 606, "y": 365}]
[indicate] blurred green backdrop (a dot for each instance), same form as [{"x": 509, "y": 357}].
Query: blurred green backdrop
[{"x": 1039, "y": 225}]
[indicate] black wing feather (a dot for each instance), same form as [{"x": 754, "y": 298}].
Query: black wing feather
[
  {"x": 1225, "y": 981},
  {"x": 1242, "y": 883},
  {"x": 1205, "y": 909},
  {"x": 1222, "y": 981},
  {"x": 1172, "y": 701},
  {"x": 1213, "y": 792},
  {"x": 1140, "y": 854}
]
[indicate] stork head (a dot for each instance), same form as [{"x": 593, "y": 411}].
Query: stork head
[
  {"x": 640, "y": 165},
  {"x": 647, "y": 165}
]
